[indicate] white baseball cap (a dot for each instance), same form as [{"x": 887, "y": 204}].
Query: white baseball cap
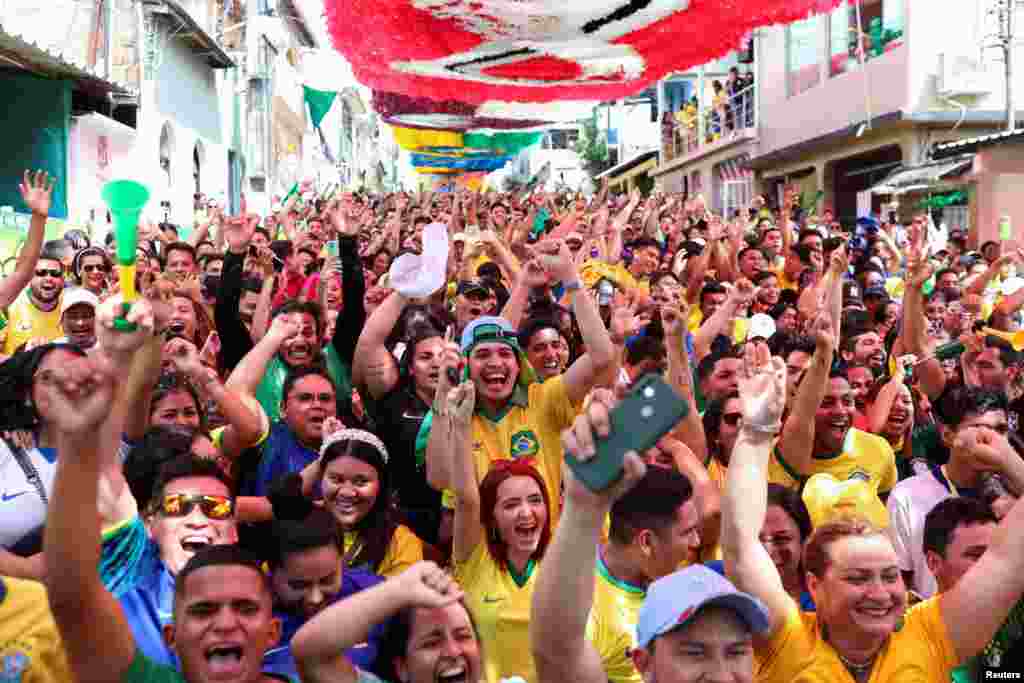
[{"x": 78, "y": 295}]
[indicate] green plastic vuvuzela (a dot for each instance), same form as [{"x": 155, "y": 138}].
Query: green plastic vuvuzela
[{"x": 126, "y": 199}]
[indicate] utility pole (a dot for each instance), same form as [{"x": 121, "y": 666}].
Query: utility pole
[{"x": 1007, "y": 28}]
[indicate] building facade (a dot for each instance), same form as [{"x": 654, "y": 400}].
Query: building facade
[{"x": 836, "y": 104}]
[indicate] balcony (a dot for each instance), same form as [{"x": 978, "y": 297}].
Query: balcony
[{"x": 700, "y": 130}]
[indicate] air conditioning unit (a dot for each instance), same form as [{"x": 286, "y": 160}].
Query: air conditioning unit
[{"x": 963, "y": 75}]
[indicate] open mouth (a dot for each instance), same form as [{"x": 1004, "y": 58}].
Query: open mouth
[
  {"x": 195, "y": 543},
  {"x": 527, "y": 532},
  {"x": 300, "y": 353},
  {"x": 177, "y": 326},
  {"x": 225, "y": 659},
  {"x": 453, "y": 674},
  {"x": 873, "y": 612},
  {"x": 495, "y": 380}
]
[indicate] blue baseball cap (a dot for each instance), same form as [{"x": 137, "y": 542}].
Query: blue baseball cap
[
  {"x": 488, "y": 328},
  {"x": 675, "y": 599}
]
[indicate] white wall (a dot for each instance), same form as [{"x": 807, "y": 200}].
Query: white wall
[{"x": 183, "y": 94}]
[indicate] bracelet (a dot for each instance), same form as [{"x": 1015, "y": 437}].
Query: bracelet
[{"x": 572, "y": 286}]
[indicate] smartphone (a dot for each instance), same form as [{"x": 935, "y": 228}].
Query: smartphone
[
  {"x": 650, "y": 410},
  {"x": 332, "y": 248}
]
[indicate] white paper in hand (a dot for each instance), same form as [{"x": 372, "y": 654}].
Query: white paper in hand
[{"x": 419, "y": 275}]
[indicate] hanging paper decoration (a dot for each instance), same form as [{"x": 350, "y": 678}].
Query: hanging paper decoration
[
  {"x": 462, "y": 163},
  {"x": 411, "y": 139},
  {"x": 501, "y": 143},
  {"x": 319, "y": 103},
  {"x": 423, "y": 112},
  {"x": 541, "y": 50}
]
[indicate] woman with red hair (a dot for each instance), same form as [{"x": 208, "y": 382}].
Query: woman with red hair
[{"x": 502, "y": 527}]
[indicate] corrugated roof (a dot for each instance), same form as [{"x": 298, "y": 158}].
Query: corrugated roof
[
  {"x": 947, "y": 149},
  {"x": 909, "y": 178},
  {"x": 191, "y": 31},
  {"x": 621, "y": 168},
  {"x": 29, "y": 54}
]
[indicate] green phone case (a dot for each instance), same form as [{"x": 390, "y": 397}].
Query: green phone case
[{"x": 650, "y": 410}]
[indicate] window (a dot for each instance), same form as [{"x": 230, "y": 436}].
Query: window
[
  {"x": 802, "y": 55},
  {"x": 563, "y": 139},
  {"x": 880, "y": 27}
]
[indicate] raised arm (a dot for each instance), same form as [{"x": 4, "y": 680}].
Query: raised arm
[
  {"x": 245, "y": 422},
  {"x": 373, "y": 365},
  {"x": 441, "y": 441},
  {"x": 319, "y": 646},
  {"x": 975, "y": 608},
  {"x": 248, "y": 374},
  {"x": 36, "y": 191},
  {"x": 582, "y": 375},
  {"x": 459, "y": 413},
  {"x": 745, "y": 501},
  {"x": 797, "y": 441},
  {"x": 564, "y": 593},
  {"x": 690, "y": 429},
  {"x": 97, "y": 637}
]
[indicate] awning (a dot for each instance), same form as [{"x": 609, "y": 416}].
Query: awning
[
  {"x": 21, "y": 51},
  {"x": 922, "y": 177},
  {"x": 620, "y": 168},
  {"x": 188, "y": 30},
  {"x": 958, "y": 147}
]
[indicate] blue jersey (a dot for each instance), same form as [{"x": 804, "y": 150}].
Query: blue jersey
[{"x": 278, "y": 660}]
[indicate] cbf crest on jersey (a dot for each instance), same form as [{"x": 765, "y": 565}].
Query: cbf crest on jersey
[
  {"x": 480, "y": 51},
  {"x": 524, "y": 445}
]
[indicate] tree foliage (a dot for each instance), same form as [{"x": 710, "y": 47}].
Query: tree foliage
[{"x": 592, "y": 147}]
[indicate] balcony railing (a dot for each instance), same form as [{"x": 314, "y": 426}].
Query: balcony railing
[{"x": 693, "y": 128}]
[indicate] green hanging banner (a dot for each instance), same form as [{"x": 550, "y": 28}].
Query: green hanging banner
[{"x": 319, "y": 102}]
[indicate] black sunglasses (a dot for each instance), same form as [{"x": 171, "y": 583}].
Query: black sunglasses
[
  {"x": 88, "y": 268},
  {"x": 47, "y": 272}
]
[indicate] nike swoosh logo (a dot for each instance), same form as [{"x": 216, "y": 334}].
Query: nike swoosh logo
[{"x": 5, "y": 497}]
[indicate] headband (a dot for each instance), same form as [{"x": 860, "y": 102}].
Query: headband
[{"x": 354, "y": 435}]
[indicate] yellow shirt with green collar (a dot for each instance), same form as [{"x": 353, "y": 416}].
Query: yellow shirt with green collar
[
  {"x": 31, "y": 650},
  {"x": 529, "y": 428},
  {"x": 26, "y": 322},
  {"x": 863, "y": 455},
  {"x": 611, "y": 626},
  {"x": 500, "y": 604},
  {"x": 919, "y": 651}
]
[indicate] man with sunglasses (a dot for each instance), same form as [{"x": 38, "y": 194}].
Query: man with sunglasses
[
  {"x": 217, "y": 616},
  {"x": 36, "y": 313},
  {"x": 191, "y": 509}
]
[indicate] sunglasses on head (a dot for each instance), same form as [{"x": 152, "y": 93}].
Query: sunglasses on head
[
  {"x": 47, "y": 272},
  {"x": 732, "y": 419},
  {"x": 217, "y": 508}
]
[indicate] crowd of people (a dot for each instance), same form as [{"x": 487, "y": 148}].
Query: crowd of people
[{"x": 330, "y": 444}]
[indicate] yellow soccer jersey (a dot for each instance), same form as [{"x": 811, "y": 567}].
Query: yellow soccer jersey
[
  {"x": 30, "y": 646},
  {"x": 405, "y": 550},
  {"x": 26, "y": 322},
  {"x": 501, "y": 608},
  {"x": 864, "y": 455},
  {"x": 611, "y": 626},
  {"x": 919, "y": 651},
  {"x": 530, "y": 429}
]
